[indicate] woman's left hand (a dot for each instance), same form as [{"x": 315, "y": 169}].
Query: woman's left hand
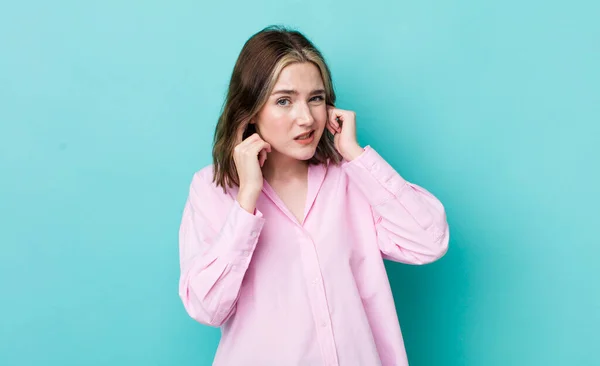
[{"x": 342, "y": 124}]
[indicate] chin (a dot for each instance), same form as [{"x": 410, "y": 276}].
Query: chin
[{"x": 307, "y": 154}]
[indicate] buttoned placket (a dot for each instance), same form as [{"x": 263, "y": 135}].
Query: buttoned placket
[
  {"x": 312, "y": 271},
  {"x": 317, "y": 296}
]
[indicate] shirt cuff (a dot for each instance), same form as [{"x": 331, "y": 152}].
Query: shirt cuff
[{"x": 375, "y": 177}]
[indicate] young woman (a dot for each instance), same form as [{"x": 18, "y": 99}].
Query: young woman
[{"x": 283, "y": 237}]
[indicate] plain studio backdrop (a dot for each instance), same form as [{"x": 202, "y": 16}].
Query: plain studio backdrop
[{"x": 107, "y": 108}]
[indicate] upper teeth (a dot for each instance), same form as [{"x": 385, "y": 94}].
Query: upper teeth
[{"x": 304, "y": 136}]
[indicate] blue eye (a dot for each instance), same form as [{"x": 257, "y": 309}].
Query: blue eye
[
  {"x": 282, "y": 100},
  {"x": 318, "y": 98}
]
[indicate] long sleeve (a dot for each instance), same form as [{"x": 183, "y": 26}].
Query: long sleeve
[
  {"x": 410, "y": 222},
  {"x": 217, "y": 238}
]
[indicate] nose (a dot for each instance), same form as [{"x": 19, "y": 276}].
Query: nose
[{"x": 304, "y": 116}]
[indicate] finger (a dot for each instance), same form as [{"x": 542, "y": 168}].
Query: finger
[
  {"x": 336, "y": 141},
  {"x": 262, "y": 156},
  {"x": 250, "y": 140},
  {"x": 267, "y": 146},
  {"x": 331, "y": 113},
  {"x": 335, "y": 124},
  {"x": 336, "y": 119},
  {"x": 330, "y": 128},
  {"x": 256, "y": 146}
]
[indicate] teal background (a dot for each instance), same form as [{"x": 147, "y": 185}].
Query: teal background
[{"x": 108, "y": 107}]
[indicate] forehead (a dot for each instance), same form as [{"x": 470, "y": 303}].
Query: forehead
[{"x": 300, "y": 76}]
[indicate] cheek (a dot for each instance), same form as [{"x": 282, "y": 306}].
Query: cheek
[
  {"x": 321, "y": 116},
  {"x": 273, "y": 124}
]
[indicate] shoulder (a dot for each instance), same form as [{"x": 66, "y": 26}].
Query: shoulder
[
  {"x": 205, "y": 174},
  {"x": 203, "y": 177},
  {"x": 204, "y": 186}
]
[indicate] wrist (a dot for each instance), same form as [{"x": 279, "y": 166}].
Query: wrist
[
  {"x": 247, "y": 198},
  {"x": 353, "y": 152}
]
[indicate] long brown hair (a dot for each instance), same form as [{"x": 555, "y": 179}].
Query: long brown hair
[{"x": 255, "y": 73}]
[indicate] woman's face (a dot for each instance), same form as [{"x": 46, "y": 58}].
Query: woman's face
[{"x": 293, "y": 119}]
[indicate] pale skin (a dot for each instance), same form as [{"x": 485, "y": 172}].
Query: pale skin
[{"x": 295, "y": 107}]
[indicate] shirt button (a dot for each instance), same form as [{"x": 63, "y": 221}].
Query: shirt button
[
  {"x": 375, "y": 167},
  {"x": 253, "y": 234},
  {"x": 315, "y": 281},
  {"x": 234, "y": 267},
  {"x": 323, "y": 324},
  {"x": 246, "y": 253}
]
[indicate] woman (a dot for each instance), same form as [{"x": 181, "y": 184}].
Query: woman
[{"x": 283, "y": 237}]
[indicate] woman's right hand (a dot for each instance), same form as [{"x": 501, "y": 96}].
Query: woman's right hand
[{"x": 249, "y": 156}]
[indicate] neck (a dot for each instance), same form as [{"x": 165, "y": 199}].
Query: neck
[{"x": 284, "y": 168}]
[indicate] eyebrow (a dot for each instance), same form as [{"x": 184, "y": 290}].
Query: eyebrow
[{"x": 295, "y": 92}]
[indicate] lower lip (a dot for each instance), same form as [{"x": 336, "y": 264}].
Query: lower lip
[{"x": 307, "y": 140}]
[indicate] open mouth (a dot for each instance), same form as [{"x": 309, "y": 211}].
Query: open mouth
[{"x": 306, "y": 136}]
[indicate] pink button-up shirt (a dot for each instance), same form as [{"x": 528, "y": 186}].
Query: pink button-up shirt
[{"x": 313, "y": 293}]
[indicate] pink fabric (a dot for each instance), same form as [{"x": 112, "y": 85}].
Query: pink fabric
[{"x": 310, "y": 293}]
